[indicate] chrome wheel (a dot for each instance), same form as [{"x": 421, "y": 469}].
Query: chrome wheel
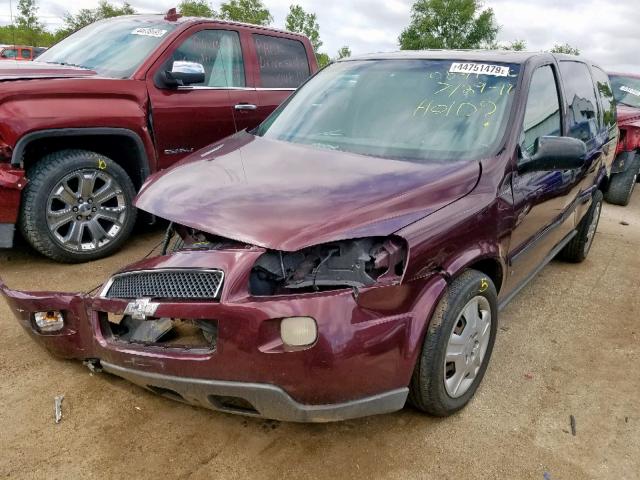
[
  {"x": 591, "y": 232},
  {"x": 86, "y": 210},
  {"x": 467, "y": 346}
]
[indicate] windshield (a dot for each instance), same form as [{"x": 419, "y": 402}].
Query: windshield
[
  {"x": 416, "y": 110},
  {"x": 112, "y": 48},
  {"x": 626, "y": 90}
]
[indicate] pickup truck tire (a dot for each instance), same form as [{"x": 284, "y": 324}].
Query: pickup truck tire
[
  {"x": 77, "y": 206},
  {"x": 622, "y": 184},
  {"x": 578, "y": 248},
  {"x": 457, "y": 346}
]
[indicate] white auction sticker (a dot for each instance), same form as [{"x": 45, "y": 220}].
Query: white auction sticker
[
  {"x": 630, "y": 90},
  {"x": 480, "y": 69},
  {"x": 149, "y": 32}
]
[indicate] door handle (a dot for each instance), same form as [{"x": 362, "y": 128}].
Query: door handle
[{"x": 245, "y": 106}]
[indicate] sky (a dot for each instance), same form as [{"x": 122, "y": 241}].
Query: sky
[{"x": 606, "y": 31}]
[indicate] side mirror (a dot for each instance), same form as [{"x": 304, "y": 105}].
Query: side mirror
[
  {"x": 183, "y": 73},
  {"x": 555, "y": 153}
]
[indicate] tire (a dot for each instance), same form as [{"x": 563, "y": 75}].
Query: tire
[
  {"x": 578, "y": 248},
  {"x": 622, "y": 184},
  {"x": 65, "y": 227},
  {"x": 432, "y": 388}
]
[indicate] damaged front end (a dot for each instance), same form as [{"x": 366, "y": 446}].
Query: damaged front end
[
  {"x": 348, "y": 263},
  {"x": 245, "y": 329}
]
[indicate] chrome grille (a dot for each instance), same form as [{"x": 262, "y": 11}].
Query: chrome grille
[{"x": 176, "y": 284}]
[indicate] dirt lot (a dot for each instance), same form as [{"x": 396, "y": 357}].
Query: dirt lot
[{"x": 569, "y": 344}]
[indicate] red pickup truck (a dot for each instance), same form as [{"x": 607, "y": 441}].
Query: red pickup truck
[{"x": 83, "y": 126}]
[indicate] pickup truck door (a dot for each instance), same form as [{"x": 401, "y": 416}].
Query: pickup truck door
[
  {"x": 188, "y": 118},
  {"x": 545, "y": 203}
]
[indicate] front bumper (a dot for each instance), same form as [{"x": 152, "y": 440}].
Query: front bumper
[
  {"x": 258, "y": 399},
  {"x": 12, "y": 182},
  {"x": 360, "y": 365}
]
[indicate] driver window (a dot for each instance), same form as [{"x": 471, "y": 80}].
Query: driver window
[
  {"x": 219, "y": 52},
  {"x": 542, "y": 116}
]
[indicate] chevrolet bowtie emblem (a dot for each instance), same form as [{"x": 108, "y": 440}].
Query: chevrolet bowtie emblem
[{"x": 141, "y": 308}]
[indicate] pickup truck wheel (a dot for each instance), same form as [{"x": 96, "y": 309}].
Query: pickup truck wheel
[
  {"x": 77, "y": 206},
  {"x": 622, "y": 184},
  {"x": 578, "y": 248},
  {"x": 457, "y": 346}
]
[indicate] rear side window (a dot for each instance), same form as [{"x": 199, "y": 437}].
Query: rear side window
[
  {"x": 283, "y": 62},
  {"x": 605, "y": 92},
  {"x": 542, "y": 116},
  {"x": 581, "y": 99}
]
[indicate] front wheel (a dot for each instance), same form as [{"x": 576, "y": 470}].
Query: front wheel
[
  {"x": 77, "y": 206},
  {"x": 457, "y": 346}
]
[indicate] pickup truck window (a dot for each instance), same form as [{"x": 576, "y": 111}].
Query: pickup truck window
[
  {"x": 219, "y": 52},
  {"x": 626, "y": 90},
  {"x": 9, "y": 53},
  {"x": 414, "y": 110},
  {"x": 605, "y": 92},
  {"x": 542, "y": 117},
  {"x": 112, "y": 48},
  {"x": 581, "y": 97},
  {"x": 283, "y": 62},
  {"x": 24, "y": 53}
]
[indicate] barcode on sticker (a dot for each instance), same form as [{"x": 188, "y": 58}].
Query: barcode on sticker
[
  {"x": 149, "y": 32},
  {"x": 480, "y": 69},
  {"x": 630, "y": 90}
]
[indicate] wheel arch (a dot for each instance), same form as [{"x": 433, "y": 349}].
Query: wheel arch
[
  {"x": 123, "y": 146},
  {"x": 488, "y": 262}
]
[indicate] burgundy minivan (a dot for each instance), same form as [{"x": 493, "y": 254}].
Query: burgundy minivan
[{"x": 353, "y": 251}]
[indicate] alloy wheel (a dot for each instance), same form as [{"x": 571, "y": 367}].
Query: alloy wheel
[{"x": 86, "y": 210}]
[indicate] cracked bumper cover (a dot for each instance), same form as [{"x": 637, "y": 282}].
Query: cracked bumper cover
[{"x": 361, "y": 364}]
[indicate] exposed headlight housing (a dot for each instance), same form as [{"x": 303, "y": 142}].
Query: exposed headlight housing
[
  {"x": 50, "y": 321},
  {"x": 342, "y": 264}
]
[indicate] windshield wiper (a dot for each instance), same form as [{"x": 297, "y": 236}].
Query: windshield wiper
[{"x": 69, "y": 65}]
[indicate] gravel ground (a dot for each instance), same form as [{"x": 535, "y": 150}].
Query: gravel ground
[{"x": 569, "y": 344}]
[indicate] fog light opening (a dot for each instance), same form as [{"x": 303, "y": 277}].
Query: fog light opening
[
  {"x": 50, "y": 321},
  {"x": 298, "y": 331}
]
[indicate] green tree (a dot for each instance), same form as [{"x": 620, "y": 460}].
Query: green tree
[
  {"x": 344, "y": 52},
  {"x": 323, "y": 59},
  {"x": 196, "y": 8},
  {"x": 87, "y": 16},
  {"x": 449, "y": 24},
  {"x": 27, "y": 24},
  {"x": 302, "y": 22},
  {"x": 565, "y": 48},
  {"x": 248, "y": 11},
  {"x": 514, "y": 45}
]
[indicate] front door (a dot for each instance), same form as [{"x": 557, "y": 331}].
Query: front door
[
  {"x": 542, "y": 200},
  {"x": 188, "y": 118}
]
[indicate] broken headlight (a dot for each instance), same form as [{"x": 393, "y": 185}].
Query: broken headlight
[{"x": 343, "y": 264}]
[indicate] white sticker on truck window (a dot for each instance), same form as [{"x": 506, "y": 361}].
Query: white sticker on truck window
[
  {"x": 149, "y": 32},
  {"x": 480, "y": 69},
  {"x": 630, "y": 90}
]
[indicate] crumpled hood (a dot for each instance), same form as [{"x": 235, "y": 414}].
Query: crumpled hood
[
  {"x": 15, "y": 70},
  {"x": 284, "y": 196},
  {"x": 628, "y": 115}
]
